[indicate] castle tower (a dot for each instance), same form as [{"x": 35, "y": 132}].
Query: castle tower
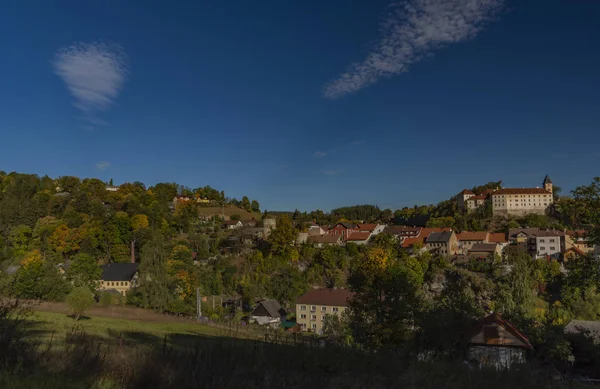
[{"x": 548, "y": 184}]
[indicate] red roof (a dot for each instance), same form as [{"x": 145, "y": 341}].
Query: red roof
[
  {"x": 324, "y": 296},
  {"x": 512, "y": 191},
  {"x": 479, "y": 197},
  {"x": 366, "y": 227},
  {"x": 408, "y": 242},
  {"x": 497, "y": 237},
  {"x": 466, "y": 192},
  {"x": 576, "y": 250},
  {"x": 470, "y": 235},
  {"x": 496, "y": 318},
  {"x": 358, "y": 236}
]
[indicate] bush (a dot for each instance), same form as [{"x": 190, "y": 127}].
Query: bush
[{"x": 80, "y": 300}]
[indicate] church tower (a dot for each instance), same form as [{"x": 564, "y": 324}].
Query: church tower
[{"x": 548, "y": 184}]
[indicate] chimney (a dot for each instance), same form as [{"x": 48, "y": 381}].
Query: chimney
[{"x": 133, "y": 251}]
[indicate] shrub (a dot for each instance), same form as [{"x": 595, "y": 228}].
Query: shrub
[{"x": 80, "y": 300}]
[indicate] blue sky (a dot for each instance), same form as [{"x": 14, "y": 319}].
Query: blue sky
[{"x": 311, "y": 104}]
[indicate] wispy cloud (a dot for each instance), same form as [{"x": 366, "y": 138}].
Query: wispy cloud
[
  {"x": 333, "y": 172},
  {"x": 102, "y": 165},
  {"x": 320, "y": 154},
  {"x": 411, "y": 31},
  {"x": 94, "y": 74}
]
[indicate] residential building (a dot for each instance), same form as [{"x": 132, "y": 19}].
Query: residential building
[
  {"x": 269, "y": 224},
  {"x": 359, "y": 237},
  {"x": 313, "y": 306},
  {"x": 268, "y": 312},
  {"x": 539, "y": 243},
  {"x": 421, "y": 237},
  {"x": 325, "y": 240},
  {"x": 232, "y": 224},
  {"x": 341, "y": 229},
  {"x": 120, "y": 277},
  {"x": 578, "y": 239},
  {"x": 374, "y": 229},
  {"x": 467, "y": 239},
  {"x": 249, "y": 223},
  {"x": 445, "y": 243},
  {"x": 401, "y": 232},
  {"x": 484, "y": 250},
  {"x": 315, "y": 229},
  {"x": 462, "y": 197},
  {"x": 475, "y": 202},
  {"x": 494, "y": 342},
  {"x": 520, "y": 202},
  {"x": 112, "y": 188},
  {"x": 573, "y": 252}
]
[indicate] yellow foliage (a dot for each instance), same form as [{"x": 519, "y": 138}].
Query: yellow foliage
[
  {"x": 376, "y": 260},
  {"x": 139, "y": 221},
  {"x": 32, "y": 258}
]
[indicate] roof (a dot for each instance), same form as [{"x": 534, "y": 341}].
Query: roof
[
  {"x": 119, "y": 271},
  {"x": 358, "y": 236},
  {"x": 478, "y": 197},
  {"x": 545, "y": 233},
  {"x": 576, "y": 250},
  {"x": 272, "y": 307},
  {"x": 439, "y": 237},
  {"x": 484, "y": 247},
  {"x": 408, "y": 242},
  {"x": 495, "y": 318},
  {"x": 324, "y": 238},
  {"x": 366, "y": 227},
  {"x": 497, "y": 237},
  {"x": 466, "y": 192},
  {"x": 469, "y": 235},
  {"x": 344, "y": 224},
  {"x": 577, "y": 233},
  {"x": 547, "y": 180},
  {"x": 325, "y": 296},
  {"x": 512, "y": 232},
  {"x": 587, "y": 327},
  {"x": 12, "y": 269},
  {"x": 231, "y": 222},
  {"x": 512, "y": 191},
  {"x": 396, "y": 230}
]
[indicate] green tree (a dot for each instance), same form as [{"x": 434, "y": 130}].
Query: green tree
[
  {"x": 255, "y": 206},
  {"x": 19, "y": 238},
  {"x": 79, "y": 301},
  {"x": 154, "y": 290},
  {"x": 84, "y": 271},
  {"x": 282, "y": 237},
  {"x": 336, "y": 328}
]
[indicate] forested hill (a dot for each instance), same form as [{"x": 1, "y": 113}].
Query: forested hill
[{"x": 68, "y": 215}]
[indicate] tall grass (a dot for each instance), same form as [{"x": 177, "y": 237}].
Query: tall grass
[{"x": 80, "y": 360}]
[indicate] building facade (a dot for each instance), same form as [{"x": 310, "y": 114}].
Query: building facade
[
  {"x": 462, "y": 197},
  {"x": 520, "y": 202},
  {"x": 313, "y": 306}
]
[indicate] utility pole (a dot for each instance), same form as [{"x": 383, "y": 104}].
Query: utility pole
[{"x": 198, "y": 303}]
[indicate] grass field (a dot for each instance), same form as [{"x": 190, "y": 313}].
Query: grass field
[{"x": 52, "y": 325}]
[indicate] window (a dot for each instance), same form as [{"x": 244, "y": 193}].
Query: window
[
  {"x": 303, "y": 316},
  {"x": 335, "y": 309},
  {"x": 314, "y": 326},
  {"x": 542, "y": 248},
  {"x": 313, "y": 308},
  {"x": 303, "y": 325},
  {"x": 313, "y": 317},
  {"x": 542, "y": 241},
  {"x": 324, "y": 309},
  {"x": 552, "y": 248},
  {"x": 303, "y": 307},
  {"x": 551, "y": 240}
]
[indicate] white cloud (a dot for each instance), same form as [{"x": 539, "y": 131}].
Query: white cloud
[
  {"x": 333, "y": 172},
  {"x": 102, "y": 165},
  {"x": 94, "y": 74},
  {"x": 409, "y": 32},
  {"x": 320, "y": 154}
]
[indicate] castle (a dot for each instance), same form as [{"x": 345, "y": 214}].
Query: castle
[{"x": 510, "y": 201}]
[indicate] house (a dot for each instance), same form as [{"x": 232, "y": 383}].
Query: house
[
  {"x": 578, "y": 239},
  {"x": 119, "y": 276},
  {"x": 494, "y": 342},
  {"x": 484, "y": 250},
  {"x": 232, "y": 224},
  {"x": 444, "y": 242},
  {"x": 475, "y": 202},
  {"x": 325, "y": 240},
  {"x": 112, "y": 188},
  {"x": 359, "y": 238},
  {"x": 522, "y": 201},
  {"x": 249, "y": 223},
  {"x": 462, "y": 198},
  {"x": 313, "y": 306},
  {"x": 539, "y": 243},
  {"x": 467, "y": 239},
  {"x": 572, "y": 253},
  {"x": 401, "y": 232},
  {"x": 341, "y": 229},
  {"x": 374, "y": 229},
  {"x": 268, "y": 312},
  {"x": 315, "y": 229}
]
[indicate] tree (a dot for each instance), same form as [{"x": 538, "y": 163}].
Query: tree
[
  {"x": 19, "y": 238},
  {"x": 79, "y": 301},
  {"x": 84, "y": 271},
  {"x": 336, "y": 328},
  {"x": 154, "y": 290},
  {"x": 283, "y": 236},
  {"x": 245, "y": 204},
  {"x": 255, "y": 206},
  {"x": 586, "y": 203}
]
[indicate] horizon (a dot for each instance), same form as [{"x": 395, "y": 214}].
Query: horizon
[{"x": 305, "y": 106}]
